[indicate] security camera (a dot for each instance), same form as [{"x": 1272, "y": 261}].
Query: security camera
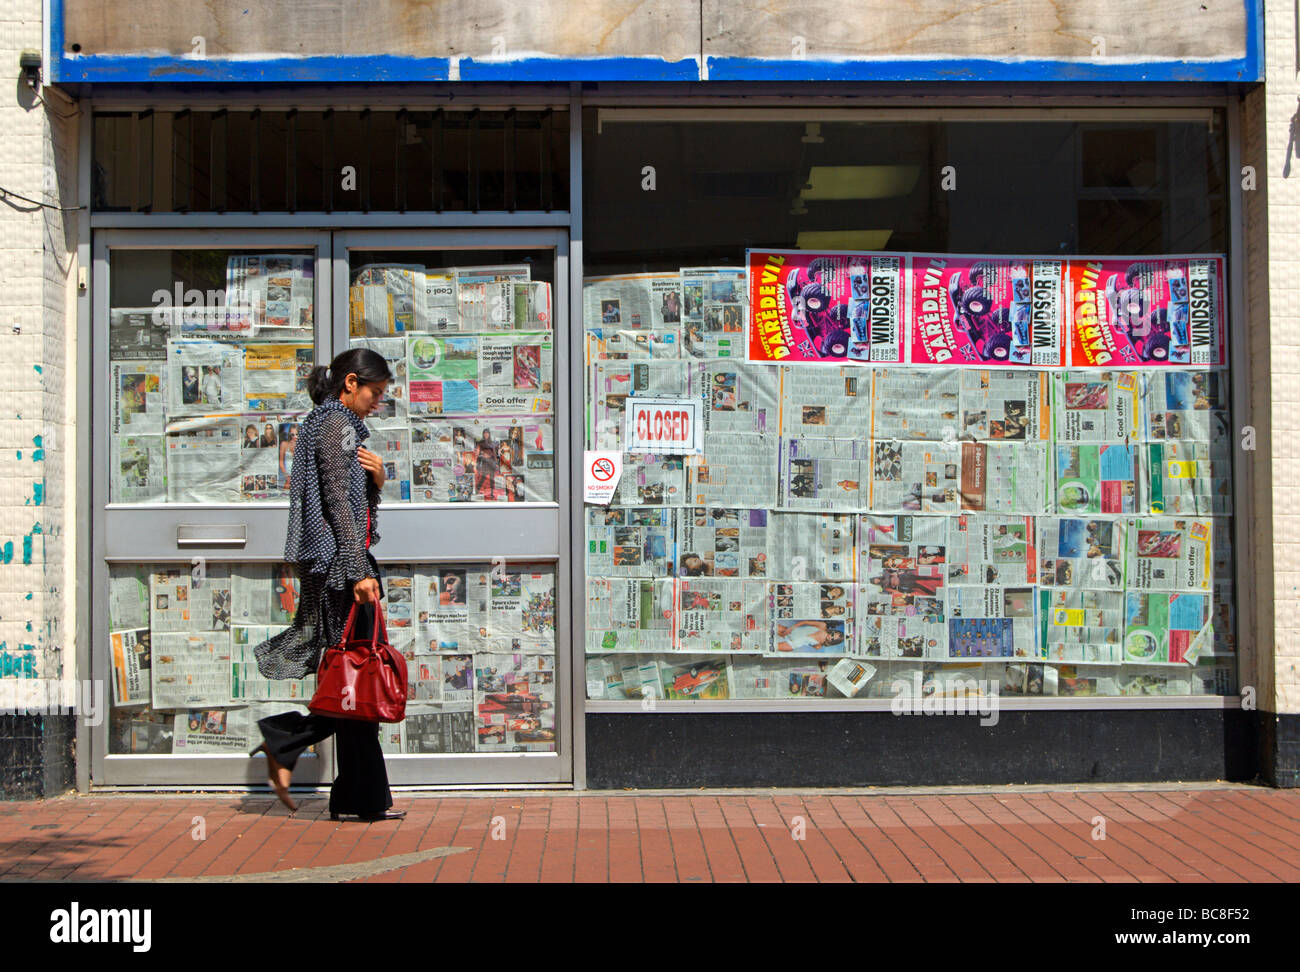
[{"x": 30, "y": 62}]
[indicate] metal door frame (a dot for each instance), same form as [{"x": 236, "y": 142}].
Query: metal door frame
[
  {"x": 473, "y": 532},
  {"x": 146, "y": 533}
]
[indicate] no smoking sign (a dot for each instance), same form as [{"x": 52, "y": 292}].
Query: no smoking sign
[{"x": 601, "y": 472}]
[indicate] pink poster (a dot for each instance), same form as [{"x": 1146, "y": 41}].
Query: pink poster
[
  {"x": 1135, "y": 312},
  {"x": 987, "y": 311},
  {"x": 825, "y": 307}
]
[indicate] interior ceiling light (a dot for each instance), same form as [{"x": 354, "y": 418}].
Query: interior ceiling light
[
  {"x": 860, "y": 181},
  {"x": 823, "y": 240},
  {"x": 812, "y": 133}
]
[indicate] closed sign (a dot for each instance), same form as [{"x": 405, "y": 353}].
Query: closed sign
[{"x": 664, "y": 425}]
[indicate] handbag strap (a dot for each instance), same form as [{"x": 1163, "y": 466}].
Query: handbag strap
[
  {"x": 379, "y": 614},
  {"x": 375, "y": 629}
]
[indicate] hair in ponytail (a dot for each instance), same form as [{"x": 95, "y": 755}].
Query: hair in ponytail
[{"x": 325, "y": 383}]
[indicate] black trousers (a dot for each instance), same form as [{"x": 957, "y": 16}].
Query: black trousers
[{"x": 361, "y": 786}]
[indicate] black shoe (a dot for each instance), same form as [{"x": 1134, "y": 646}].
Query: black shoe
[{"x": 372, "y": 817}]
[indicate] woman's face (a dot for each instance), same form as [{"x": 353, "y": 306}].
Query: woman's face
[{"x": 361, "y": 398}]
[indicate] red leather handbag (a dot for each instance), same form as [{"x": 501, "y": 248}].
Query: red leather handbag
[
  {"x": 362, "y": 679},
  {"x": 359, "y": 679}
]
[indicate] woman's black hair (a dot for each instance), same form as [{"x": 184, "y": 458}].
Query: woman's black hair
[{"x": 369, "y": 366}]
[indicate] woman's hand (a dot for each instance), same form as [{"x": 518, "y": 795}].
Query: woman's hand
[
  {"x": 366, "y": 590},
  {"x": 372, "y": 464}
]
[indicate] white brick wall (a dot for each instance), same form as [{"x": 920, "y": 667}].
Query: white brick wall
[{"x": 37, "y": 253}]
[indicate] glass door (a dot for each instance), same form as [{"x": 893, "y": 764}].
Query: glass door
[
  {"x": 471, "y": 525},
  {"x": 200, "y": 347}
]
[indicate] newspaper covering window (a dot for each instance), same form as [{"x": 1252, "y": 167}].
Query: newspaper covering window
[
  {"x": 521, "y": 609},
  {"x": 138, "y": 469},
  {"x": 720, "y": 614},
  {"x": 632, "y": 302},
  {"x": 130, "y": 650},
  {"x": 486, "y": 295},
  {"x": 738, "y": 398},
  {"x": 204, "y": 377},
  {"x": 1188, "y": 477},
  {"x": 275, "y": 377},
  {"x": 608, "y": 343},
  {"x": 912, "y": 404},
  {"x": 915, "y": 477},
  {"x": 820, "y": 404},
  {"x": 279, "y": 288},
  {"x": 203, "y": 459},
  {"x": 996, "y": 550},
  {"x": 139, "y": 333},
  {"x": 1162, "y": 627},
  {"x": 266, "y": 449},
  {"x": 1081, "y": 625},
  {"x": 803, "y": 546},
  {"x": 823, "y": 474},
  {"x": 991, "y": 622},
  {"x": 191, "y": 669},
  {"x": 998, "y": 477},
  {"x": 702, "y": 678},
  {"x": 713, "y": 312},
  {"x": 632, "y": 614},
  {"x": 652, "y": 480},
  {"x": 480, "y": 458},
  {"x": 629, "y": 541},
  {"x": 514, "y": 698},
  {"x": 615, "y": 380},
  {"x": 1081, "y": 553},
  {"x": 247, "y": 684},
  {"x": 1096, "y": 406},
  {"x": 387, "y": 299},
  {"x": 1167, "y": 554},
  {"x": 902, "y": 573},
  {"x": 755, "y": 677},
  {"x": 1097, "y": 478},
  {"x": 1006, "y": 406},
  {"x": 139, "y": 403}
]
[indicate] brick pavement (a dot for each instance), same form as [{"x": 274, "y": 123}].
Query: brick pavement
[{"x": 1158, "y": 833}]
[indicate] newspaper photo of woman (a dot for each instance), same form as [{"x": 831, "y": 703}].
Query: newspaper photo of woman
[
  {"x": 211, "y": 384},
  {"x": 805, "y": 636},
  {"x": 485, "y": 466},
  {"x": 288, "y": 439}
]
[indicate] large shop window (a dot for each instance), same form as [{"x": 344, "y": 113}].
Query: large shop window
[
  {"x": 207, "y": 351},
  {"x": 964, "y": 394}
]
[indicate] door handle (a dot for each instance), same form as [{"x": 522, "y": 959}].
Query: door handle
[{"x": 211, "y": 534}]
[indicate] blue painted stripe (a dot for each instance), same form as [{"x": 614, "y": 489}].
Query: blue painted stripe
[
  {"x": 978, "y": 69},
  {"x": 1255, "y": 38},
  {"x": 580, "y": 69},
  {"x": 126, "y": 69},
  {"x": 136, "y": 68},
  {"x": 54, "y": 70}
]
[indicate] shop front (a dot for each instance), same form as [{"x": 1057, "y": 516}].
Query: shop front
[{"x": 964, "y": 371}]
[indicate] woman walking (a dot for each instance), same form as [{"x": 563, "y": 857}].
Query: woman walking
[{"x": 333, "y": 500}]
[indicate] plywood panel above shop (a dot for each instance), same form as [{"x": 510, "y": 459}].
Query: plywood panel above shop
[{"x": 558, "y": 40}]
